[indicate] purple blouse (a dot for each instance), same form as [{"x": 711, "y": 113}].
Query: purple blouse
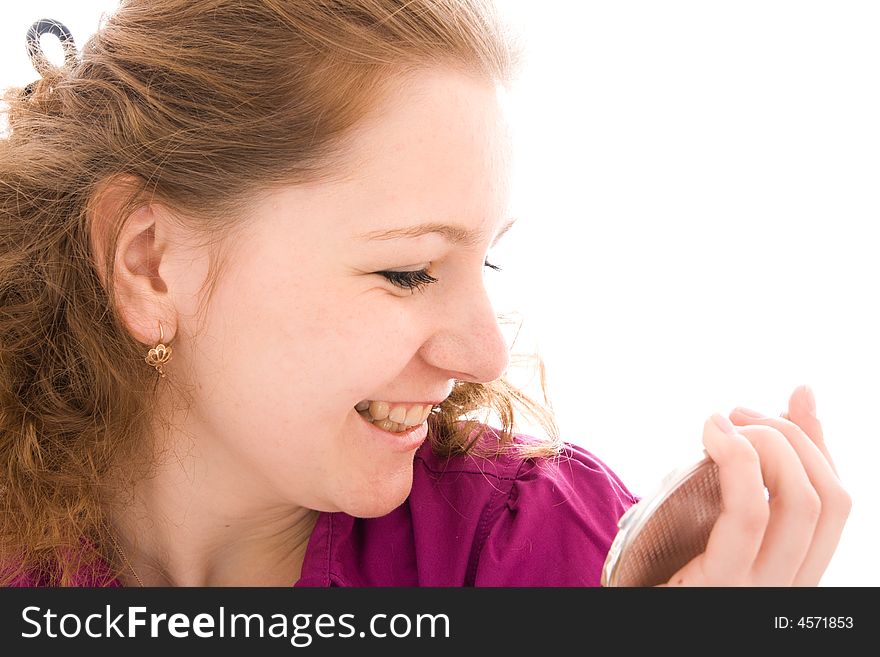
[{"x": 472, "y": 521}]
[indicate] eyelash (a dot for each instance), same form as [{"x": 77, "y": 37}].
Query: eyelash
[{"x": 412, "y": 280}]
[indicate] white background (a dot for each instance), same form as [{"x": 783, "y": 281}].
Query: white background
[{"x": 697, "y": 187}]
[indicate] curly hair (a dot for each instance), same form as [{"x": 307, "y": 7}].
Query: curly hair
[{"x": 170, "y": 100}]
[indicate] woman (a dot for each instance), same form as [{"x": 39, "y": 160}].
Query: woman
[{"x": 244, "y": 327}]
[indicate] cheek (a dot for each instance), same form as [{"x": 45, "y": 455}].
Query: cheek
[
  {"x": 288, "y": 337},
  {"x": 380, "y": 342},
  {"x": 377, "y": 328}
]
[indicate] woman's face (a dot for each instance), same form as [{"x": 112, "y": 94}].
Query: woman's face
[{"x": 301, "y": 327}]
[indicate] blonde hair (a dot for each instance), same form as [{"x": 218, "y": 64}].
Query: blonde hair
[{"x": 194, "y": 104}]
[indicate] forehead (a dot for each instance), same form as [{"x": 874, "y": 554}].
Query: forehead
[{"x": 435, "y": 149}]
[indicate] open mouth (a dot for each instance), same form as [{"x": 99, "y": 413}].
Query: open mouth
[
  {"x": 395, "y": 417},
  {"x": 386, "y": 424},
  {"x": 399, "y": 437}
]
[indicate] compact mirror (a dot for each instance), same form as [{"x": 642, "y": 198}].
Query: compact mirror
[{"x": 661, "y": 533}]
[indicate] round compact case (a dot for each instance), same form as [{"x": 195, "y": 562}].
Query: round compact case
[{"x": 661, "y": 533}]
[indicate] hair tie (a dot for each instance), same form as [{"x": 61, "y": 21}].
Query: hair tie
[{"x": 38, "y": 58}]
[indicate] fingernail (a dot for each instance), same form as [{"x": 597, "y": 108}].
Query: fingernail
[
  {"x": 748, "y": 412},
  {"x": 810, "y": 400},
  {"x": 724, "y": 424}
]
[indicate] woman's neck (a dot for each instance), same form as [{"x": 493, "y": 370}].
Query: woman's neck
[
  {"x": 176, "y": 556},
  {"x": 210, "y": 525}
]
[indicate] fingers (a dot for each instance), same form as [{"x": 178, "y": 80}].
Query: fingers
[
  {"x": 784, "y": 535},
  {"x": 802, "y": 411},
  {"x": 794, "y": 508},
  {"x": 736, "y": 537},
  {"x": 834, "y": 501}
]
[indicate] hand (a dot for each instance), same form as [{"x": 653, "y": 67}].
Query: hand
[{"x": 788, "y": 539}]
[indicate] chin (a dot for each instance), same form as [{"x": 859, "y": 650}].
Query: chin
[{"x": 379, "y": 497}]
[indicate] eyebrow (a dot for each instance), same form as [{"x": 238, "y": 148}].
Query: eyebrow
[{"x": 454, "y": 234}]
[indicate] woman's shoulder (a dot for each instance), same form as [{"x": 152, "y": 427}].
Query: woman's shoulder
[{"x": 546, "y": 521}]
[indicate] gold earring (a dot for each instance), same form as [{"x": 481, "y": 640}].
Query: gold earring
[{"x": 160, "y": 354}]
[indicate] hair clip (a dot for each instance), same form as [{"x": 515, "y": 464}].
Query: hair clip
[{"x": 38, "y": 58}]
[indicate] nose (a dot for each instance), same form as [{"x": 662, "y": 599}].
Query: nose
[{"x": 468, "y": 341}]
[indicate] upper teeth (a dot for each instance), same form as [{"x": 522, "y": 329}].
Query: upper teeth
[{"x": 404, "y": 414}]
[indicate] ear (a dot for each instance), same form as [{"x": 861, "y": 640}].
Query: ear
[{"x": 141, "y": 295}]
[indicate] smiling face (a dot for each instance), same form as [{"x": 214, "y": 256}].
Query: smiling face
[{"x": 301, "y": 327}]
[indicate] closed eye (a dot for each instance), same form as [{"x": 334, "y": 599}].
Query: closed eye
[
  {"x": 418, "y": 279},
  {"x": 411, "y": 280}
]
